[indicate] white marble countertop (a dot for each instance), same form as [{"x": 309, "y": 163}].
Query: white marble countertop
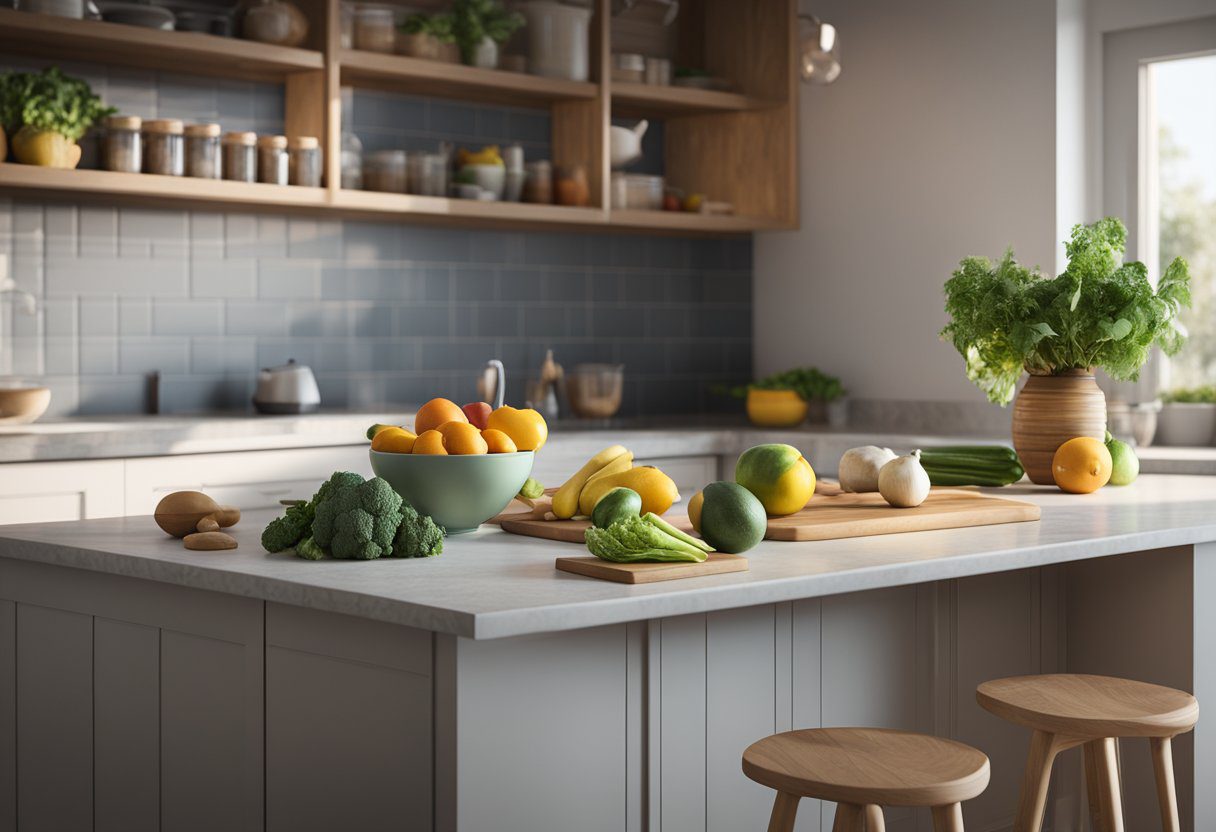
[{"x": 491, "y": 584}]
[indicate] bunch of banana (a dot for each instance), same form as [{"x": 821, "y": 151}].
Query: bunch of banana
[{"x": 613, "y": 468}]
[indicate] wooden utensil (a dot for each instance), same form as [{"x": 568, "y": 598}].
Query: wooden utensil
[{"x": 645, "y": 573}]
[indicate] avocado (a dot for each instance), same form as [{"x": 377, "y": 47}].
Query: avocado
[
  {"x": 732, "y": 519},
  {"x": 617, "y": 504}
]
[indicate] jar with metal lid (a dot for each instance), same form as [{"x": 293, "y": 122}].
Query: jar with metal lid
[
  {"x": 164, "y": 151},
  {"x": 122, "y": 144},
  {"x": 385, "y": 170},
  {"x": 375, "y": 28},
  {"x": 203, "y": 151},
  {"x": 272, "y": 160},
  {"x": 240, "y": 156},
  {"x": 304, "y": 161}
]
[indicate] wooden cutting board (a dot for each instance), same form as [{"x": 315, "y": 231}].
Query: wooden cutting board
[
  {"x": 645, "y": 573},
  {"x": 830, "y": 517}
]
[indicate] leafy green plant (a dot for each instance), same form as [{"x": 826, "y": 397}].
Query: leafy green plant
[
  {"x": 1191, "y": 395},
  {"x": 810, "y": 383},
  {"x": 438, "y": 26},
  {"x": 1098, "y": 313},
  {"x": 475, "y": 20},
  {"x": 49, "y": 100}
]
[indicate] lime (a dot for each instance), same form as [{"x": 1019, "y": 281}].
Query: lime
[{"x": 1125, "y": 465}]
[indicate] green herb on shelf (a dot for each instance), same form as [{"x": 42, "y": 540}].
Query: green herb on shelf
[
  {"x": 49, "y": 101},
  {"x": 438, "y": 26},
  {"x": 1100, "y": 312},
  {"x": 473, "y": 21},
  {"x": 1191, "y": 395},
  {"x": 810, "y": 383}
]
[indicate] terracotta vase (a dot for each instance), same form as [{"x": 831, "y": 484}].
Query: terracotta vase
[{"x": 1049, "y": 411}]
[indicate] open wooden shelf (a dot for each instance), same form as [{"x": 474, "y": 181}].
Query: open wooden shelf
[
  {"x": 149, "y": 188},
  {"x": 682, "y": 221},
  {"x": 660, "y": 101},
  {"x": 62, "y": 39},
  {"x": 399, "y": 73},
  {"x": 464, "y": 210}
]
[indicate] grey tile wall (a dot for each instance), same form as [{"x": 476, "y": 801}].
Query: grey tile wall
[{"x": 386, "y": 314}]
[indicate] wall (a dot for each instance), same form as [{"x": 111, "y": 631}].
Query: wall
[
  {"x": 937, "y": 142},
  {"x": 386, "y": 314}
]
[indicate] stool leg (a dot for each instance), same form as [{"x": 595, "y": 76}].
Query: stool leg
[
  {"x": 1033, "y": 800},
  {"x": 1163, "y": 766},
  {"x": 784, "y": 810},
  {"x": 874, "y": 819},
  {"x": 1102, "y": 785},
  {"x": 948, "y": 818},
  {"x": 848, "y": 818}
]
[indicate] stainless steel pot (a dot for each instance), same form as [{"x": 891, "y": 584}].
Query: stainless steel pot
[{"x": 291, "y": 388}]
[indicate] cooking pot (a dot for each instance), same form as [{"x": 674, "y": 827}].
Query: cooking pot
[{"x": 291, "y": 388}]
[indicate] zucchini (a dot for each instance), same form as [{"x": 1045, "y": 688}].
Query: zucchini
[{"x": 990, "y": 465}]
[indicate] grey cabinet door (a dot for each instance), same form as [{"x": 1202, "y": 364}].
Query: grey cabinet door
[
  {"x": 135, "y": 705},
  {"x": 348, "y": 723}
]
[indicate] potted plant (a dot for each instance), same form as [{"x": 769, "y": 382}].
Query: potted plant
[
  {"x": 45, "y": 113},
  {"x": 429, "y": 36},
  {"x": 785, "y": 399},
  {"x": 1007, "y": 319},
  {"x": 480, "y": 26},
  {"x": 1188, "y": 417}
]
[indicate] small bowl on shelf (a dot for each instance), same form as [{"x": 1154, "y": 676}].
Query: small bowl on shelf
[
  {"x": 20, "y": 405},
  {"x": 458, "y": 491}
]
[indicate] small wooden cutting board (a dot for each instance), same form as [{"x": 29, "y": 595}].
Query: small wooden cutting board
[{"x": 645, "y": 573}]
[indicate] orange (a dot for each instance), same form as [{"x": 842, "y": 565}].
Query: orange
[
  {"x": 435, "y": 412},
  {"x": 1081, "y": 465},
  {"x": 462, "y": 438},
  {"x": 430, "y": 442},
  {"x": 393, "y": 441},
  {"x": 526, "y": 428},
  {"x": 498, "y": 442}
]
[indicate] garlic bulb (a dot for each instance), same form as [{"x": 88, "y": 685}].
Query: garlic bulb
[
  {"x": 859, "y": 467},
  {"x": 903, "y": 482}
]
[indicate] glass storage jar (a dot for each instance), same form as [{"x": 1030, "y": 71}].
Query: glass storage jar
[
  {"x": 164, "y": 147},
  {"x": 385, "y": 170},
  {"x": 123, "y": 144},
  {"x": 240, "y": 156},
  {"x": 375, "y": 29},
  {"x": 304, "y": 161},
  {"x": 272, "y": 160},
  {"x": 203, "y": 151}
]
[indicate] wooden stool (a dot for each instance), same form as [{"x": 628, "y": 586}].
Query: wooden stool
[
  {"x": 1066, "y": 710},
  {"x": 864, "y": 769}
]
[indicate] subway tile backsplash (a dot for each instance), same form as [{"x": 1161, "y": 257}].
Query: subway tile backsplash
[{"x": 388, "y": 315}]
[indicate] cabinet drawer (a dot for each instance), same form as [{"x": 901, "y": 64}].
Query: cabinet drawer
[{"x": 47, "y": 492}]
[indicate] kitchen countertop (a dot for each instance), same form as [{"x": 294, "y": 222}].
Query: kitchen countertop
[
  {"x": 490, "y": 584},
  {"x": 140, "y": 436}
]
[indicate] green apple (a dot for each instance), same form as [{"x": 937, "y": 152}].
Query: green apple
[{"x": 1125, "y": 465}]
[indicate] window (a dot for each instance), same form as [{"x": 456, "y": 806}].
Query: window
[{"x": 1179, "y": 207}]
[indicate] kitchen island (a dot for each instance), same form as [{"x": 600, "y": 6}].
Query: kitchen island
[{"x": 146, "y": 686}]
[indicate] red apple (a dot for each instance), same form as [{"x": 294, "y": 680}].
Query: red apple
[{"x": 478, "y": 413}]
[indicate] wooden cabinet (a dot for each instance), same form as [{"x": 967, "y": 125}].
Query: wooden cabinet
[{"x": 46, "y": 492}]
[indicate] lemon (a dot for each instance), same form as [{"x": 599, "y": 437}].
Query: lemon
[
  {"x": 1125, "y": 465},
  {"x": 1081, "y": 465}
]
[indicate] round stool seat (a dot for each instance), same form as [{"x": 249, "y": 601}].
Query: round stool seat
[
  {"x": 1090, "y": 706},
  {"x": 865, "y": 766}
]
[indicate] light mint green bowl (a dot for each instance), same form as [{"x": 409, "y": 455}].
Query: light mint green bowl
[{"x": 458, "y": 491}]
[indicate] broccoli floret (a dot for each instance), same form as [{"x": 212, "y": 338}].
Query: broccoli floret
[
  {"x": 309, "y": 550},
  {"x": 337, "y": 481},
  {"x": 286, "y": 531},
  {"x": 418, "y": 536},
  {"x": 359, "y": 521}
]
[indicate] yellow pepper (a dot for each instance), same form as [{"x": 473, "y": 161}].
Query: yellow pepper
[{"x": 526, "y": 428}]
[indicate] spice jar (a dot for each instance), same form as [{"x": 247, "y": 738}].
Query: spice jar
[
  {"x": 203, "y": 151},
  {"x": 272, "y": 160},
  {"x": 375, "y": 30},
  {"x": 163, "y": 147},
  {"x": 304, "y": 161},
  {"x": 122, "y": 143},
  {"x": 570, "y": 186},
  {"x": 538, "y": 182},
  {"x": 240, "y": 156},
  {"x": 385, "y": 170}
]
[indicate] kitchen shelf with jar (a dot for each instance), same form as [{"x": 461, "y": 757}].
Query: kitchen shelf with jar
[
  {"x": 737, "y": 147},
  {"x": 59, "y": 38}
]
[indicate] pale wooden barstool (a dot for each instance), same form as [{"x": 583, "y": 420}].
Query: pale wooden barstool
[
  {"x": 1066, "y": 710},
  {"x": 864, "y": 769}
]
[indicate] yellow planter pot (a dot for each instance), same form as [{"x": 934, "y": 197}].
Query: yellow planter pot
[
  {"x": 45, "y": 148},
  {"x": 775, "y": 408}
]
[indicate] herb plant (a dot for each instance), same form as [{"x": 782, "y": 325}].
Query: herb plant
[
  {"x": 438, "y": 26},
  {"x": 810, "y": 383},
  {"x": 49, "y": 100},
  {"x": 475, "y": 20},
  {"x": 1191, "y": 395},
  {"x": 1098, "y": 313}
]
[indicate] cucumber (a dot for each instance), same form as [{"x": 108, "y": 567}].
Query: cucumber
[{"x": 990, "y": 465}]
